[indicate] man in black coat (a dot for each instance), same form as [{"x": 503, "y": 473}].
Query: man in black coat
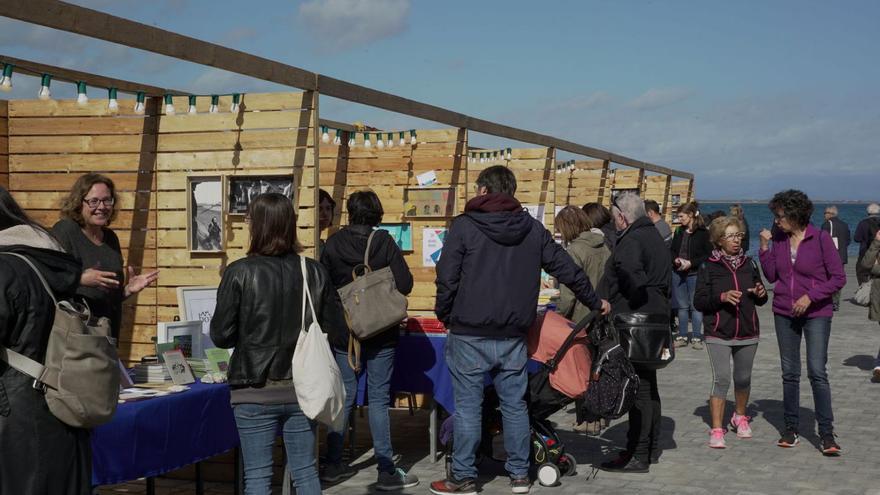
[
  {"x": 839, "y": 231},
  {"x": 865, "y": 232},
  {"x": 638, "y": 278},
  {"x": 488, "y": 279}
]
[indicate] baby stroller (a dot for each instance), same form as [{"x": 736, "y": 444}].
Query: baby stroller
[{"x": 549, "y": 461}]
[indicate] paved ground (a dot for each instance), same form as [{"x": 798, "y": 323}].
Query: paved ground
[{"x": 755, "y": 466}]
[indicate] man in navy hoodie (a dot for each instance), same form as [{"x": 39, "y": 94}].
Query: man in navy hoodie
[{"x": 488, "y": 279}]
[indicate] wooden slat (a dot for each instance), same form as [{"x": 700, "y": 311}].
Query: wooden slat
[
  {"x": 232, "y": 160},
  {"x": 217, "y": 141},
  {"x": 80, "y": 163},
  {"x": 204, "y": 122},
  {"x": 46, "y": 181},
  {"x": 79, "y": 125},
  {"x": 97, "y": 106},
  {"x": 80, "y": 144},
  {"x": 47, "y": 200}
]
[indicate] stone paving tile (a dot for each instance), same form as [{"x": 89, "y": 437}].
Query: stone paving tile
[{"x": 687, "y": 466}]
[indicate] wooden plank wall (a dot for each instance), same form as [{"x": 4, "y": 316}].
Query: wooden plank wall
[
  {"x": 52, "y": 143},
  {"x": 388, "y": 172},
  {"x": 4, "y": 143},
  {"x": 149, "y": 157},
  {"x": 587, "y": 181}
]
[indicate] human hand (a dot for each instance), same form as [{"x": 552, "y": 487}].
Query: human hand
[
  {"x": 765, "y": 236},
  {"x": 731, "y": 296},
  {"x": 137, "y": 283},
  {"x": 758, "y": 290},
  {"x": 801, "y": 305},
  {"x": 684, "y": 265},
  {"x": 99, "y": 279},
  {"x": 606, "y": 307}
]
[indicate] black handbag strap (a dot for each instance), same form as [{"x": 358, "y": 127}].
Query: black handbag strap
[{"x": 585, "y": 321}]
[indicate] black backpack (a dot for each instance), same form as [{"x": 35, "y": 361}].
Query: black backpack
[{"x": 614, "y": 383}]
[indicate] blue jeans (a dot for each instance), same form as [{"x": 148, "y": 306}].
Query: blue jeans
[
  {"x": 469, "y": 359},
  {"x": 257, "y": 427},
  {"x": 684, "y": 286},
  {"x": 379, "y": 364},
  {"x": 816, "y": 332}
]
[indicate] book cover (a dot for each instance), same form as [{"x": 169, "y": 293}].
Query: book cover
[
  {"x": 218, "y": 360},
  {"x": 178, "y": 368}
]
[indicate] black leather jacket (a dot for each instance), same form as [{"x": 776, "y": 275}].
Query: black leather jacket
[{"x": 259, "y": 306}]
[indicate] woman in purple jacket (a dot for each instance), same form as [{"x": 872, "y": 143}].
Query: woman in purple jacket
[{"x": 802, "y": 263}]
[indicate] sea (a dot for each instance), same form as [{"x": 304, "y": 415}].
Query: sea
[{"x": 759, "y": 217}]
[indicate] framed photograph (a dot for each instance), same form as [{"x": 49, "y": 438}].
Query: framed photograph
[
  {"x": 197, "y": 304},
  {"x": 186, "y": 336},
  {"x": 675, "y": 199},
  {"x": 243, "y": 189},
  {"x": 429, "y": 202},
  {"x": 205, "y": 214},
  {"x": 401, "y": 233}
]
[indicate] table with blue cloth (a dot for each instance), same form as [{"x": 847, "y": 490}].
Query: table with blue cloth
[{"x": 153, "y": 436}]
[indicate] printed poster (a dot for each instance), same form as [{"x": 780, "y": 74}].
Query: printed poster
[
  {"x": 432, "y": 245},
  {"x": 536, "y": 211}
]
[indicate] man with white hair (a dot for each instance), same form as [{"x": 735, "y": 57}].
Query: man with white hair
[
  {"x": 638, "y": 279},
  {"x": 865, "y": 232}
]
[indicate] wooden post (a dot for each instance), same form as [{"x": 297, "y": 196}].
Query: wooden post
[
  {"x": 666, "y": 191},
  {"x": 603, "y": 187},
  {"x": 316, "y": 230},
  {"x": 4, "y": 143}
]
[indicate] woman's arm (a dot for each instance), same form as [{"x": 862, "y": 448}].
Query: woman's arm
[
  {"x": 767, "y": 256},
  {"x": 706, "y": 298}
]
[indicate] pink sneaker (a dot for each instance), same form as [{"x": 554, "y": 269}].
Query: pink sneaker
[
  {"x": 740, "y": 424},
  {"x": 716, "y": 438}
]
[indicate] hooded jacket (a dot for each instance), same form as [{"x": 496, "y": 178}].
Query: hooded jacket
[
  {"x": 724, "y": 320},
  {"x": 488, "y": 276},
  {"x": 816, "y": 272},
  {"x": 38, "y": 453},
  {"x": 589, "y": 252}
]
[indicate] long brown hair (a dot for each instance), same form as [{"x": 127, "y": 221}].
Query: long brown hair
[
  {"x": 273, "y": 226},
  {"x": 571, "y": 221},
  {"x": 72, "y": 205},
  {"x": 693, "y": 209}
]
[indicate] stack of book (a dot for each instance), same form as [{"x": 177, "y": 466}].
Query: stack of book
[
  {"x": 199, "y": 366},
  {"x": 150, "y": 373}
]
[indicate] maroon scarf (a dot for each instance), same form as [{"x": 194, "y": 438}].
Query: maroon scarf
[{"x": 735, "y": 261}]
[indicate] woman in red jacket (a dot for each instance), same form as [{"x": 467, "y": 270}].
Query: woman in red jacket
[{"x": 729, "y": 289}]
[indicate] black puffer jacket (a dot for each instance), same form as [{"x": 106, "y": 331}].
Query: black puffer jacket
[
  {"x": 699, "y": 247},
  {"x": 259, "y": 311},
  {"x": 38, "y": 453},
  {"x": 724, "y": 320}
]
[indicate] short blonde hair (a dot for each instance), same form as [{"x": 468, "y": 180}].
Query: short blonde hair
[{"x": 718, "y": 227}]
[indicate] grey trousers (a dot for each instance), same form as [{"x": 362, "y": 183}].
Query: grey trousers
[{"x": 719, "y": 358}]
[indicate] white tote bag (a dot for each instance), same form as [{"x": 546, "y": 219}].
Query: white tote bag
[{"x": 316, "y": 376}]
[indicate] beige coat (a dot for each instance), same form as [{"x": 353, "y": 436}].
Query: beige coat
[
  {"x": 871, "y": 262},
  {"x": 589, "y": 252}
]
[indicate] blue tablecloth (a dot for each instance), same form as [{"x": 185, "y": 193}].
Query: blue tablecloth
[{"x": 155, "y": 436}]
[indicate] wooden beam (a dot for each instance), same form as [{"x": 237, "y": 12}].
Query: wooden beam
[{"x": 96, "y": 24}]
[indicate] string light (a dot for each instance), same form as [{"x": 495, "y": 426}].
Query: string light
[
  {"x": 169, "y": 104},
  {"x": 82, "y": 99},
  {"x": 236, "y": 103},
  {"x": 6, "y": 82},
  {"x": 509, "y": 152},
  {"x": 325, "y": 136},
  {"x": 215, "y": 104},
  {"x": 351, "y": 141},
  {"x": 45, "y": 93},
  {"x": 402, "y": 140},
  {"x": 192, "y": 105},
  {"x": 390, "y": 140},
  {"x": 139, "y": 106},
  {"x": 112, "y": 101},
  {"x": 379, "y": 143},
  {"x": 367, "y": 143},
  {"x": 412, "y": 137}
]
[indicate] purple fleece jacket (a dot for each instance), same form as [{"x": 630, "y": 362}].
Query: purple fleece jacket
[{"x": 817, "y": 272}]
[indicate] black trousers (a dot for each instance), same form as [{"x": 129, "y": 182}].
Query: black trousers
[{"x": 642, "y": 438}]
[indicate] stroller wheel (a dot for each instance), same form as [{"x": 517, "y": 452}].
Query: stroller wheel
[
  {"x": 548, "y": 474},
  {"x": 568, "y": 465}
]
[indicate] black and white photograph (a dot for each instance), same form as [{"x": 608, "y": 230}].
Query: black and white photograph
[
  {"x": 205, "y": 214},
  {"x": 242, "y": 190},
  {"x": 675, "y": 199}
]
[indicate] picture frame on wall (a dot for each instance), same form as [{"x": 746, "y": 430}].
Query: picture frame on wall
[
  {"x": 242, "y": 189},
  {"x": 197, "y": 304},
  {"x": 401, "y": 233},
  {"x": 204, "y": 207},
  {"x": 675, "y": 199},
  {"x": 429, "y": 202}
]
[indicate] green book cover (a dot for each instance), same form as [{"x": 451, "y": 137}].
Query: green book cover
[
  {"x": 162, "y": 348},
  {"x": 218, "y": 359}
]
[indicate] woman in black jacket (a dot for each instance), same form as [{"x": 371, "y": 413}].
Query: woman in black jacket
[
  {"x": 343, "y": 252},
  {"x": 39, "y": 454},
  {"x": 729, "y": 289},
  {"x": 690, "y": 248},
  {"x": 259, "y": 313}
]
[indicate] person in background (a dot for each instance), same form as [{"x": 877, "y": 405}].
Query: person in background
[
  {"x": 653, "y": 210},
  {"x": 864, "y": 234},
  {"x": 259, "y": 313},
  {"x": 736, "y": 210},
  {"x": 690, "y": 248},
  {"x": 326, "y": 211},
  {"x": 802, "y": 263},
  {"x": 600, "y": 218},
  {"x": 839, "y": 232},
  {"x": 729, "y": 290},
  {"x": 871, "y": 261},
  {"x": 587, "y": 248},
  {"x": 84, "y": 232},
  {"x": 715, "y": 214},
  {"x": 638, "y": 279},
  {"x": 38, "y": 453},
  {"x": 487, "y": 290},
  {"x": 343, "y": 252}
]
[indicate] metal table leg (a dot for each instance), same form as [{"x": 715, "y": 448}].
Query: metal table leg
[
  {"x": 200, "y": 483},
  {"x": 432, "y": 429}
]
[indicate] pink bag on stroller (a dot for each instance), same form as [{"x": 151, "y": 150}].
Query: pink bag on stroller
[{"x": 546, "y": 336}]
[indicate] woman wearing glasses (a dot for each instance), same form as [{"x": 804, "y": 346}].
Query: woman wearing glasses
[
  {"x": 84, "y": 232},
  {"x": 802, "y": 263},
  {"x": 729, "y": 289}
]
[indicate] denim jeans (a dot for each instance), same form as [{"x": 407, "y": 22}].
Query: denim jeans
[
  {"x": 684, "y": 286},
  {"x": 379, "y": 365},
  {"x": 469, "y": 359},
  {"x": 257, "y": 427},
  {"x": 816, "y": 332}
]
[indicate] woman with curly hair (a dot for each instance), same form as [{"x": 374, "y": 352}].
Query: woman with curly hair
[{"x": 802, "y": 263}]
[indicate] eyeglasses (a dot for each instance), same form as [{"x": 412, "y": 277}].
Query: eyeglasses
[
  {"x": 733, "y": 235},
  {"x": 94, "y": 202}
]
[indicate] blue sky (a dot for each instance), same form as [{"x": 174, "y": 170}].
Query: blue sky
[{"x": 751, "y": 96}]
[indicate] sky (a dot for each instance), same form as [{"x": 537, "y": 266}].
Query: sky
[{"x": 751, "y": 96}]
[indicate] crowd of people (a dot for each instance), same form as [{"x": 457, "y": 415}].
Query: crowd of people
[{"x": 622, "y": 260}]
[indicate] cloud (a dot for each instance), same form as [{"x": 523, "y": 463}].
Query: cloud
[
  {"x": 582, "y": 102},
  {"x": 657, "y": 98},
  {"x": 339, "y": 24}
]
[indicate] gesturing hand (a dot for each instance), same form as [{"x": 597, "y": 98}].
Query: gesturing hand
[
  {"x": 731, "y": 296},
  {"x": 100, "y": 279},
  {"x": 801, "y": 305},
  {"x": 137, "y": 283},
  {"x": 606, "y": 307},
  {"x": 765, "y": 236},
  {"x": 758, "y": 290}
]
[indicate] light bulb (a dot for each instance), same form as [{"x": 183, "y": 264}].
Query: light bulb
[
  {"x": 6, "y": 82},
  {"x": 390, "y": 140},
  {"x": 412, "y": 137},
  {"x": 215, "y": 104},
  {"x": 169, "y": 104},
  {"x": 82, "y": 99},
  {"x": 336, "y": 139},
  {"x": 236, "y": 101},
  {"x": 379, "y": 143},
  {"x": 325, "y": 136},
  {"x": 192, "y": 105},
  {"x": 139, "y": 106},
  {"x": 402, "y": 140},
  {"x": 112, "y": 101},
  {"x": 45, "y": 93}
]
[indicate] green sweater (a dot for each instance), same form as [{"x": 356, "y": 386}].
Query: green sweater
[{"x": 589, "y": 252}]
